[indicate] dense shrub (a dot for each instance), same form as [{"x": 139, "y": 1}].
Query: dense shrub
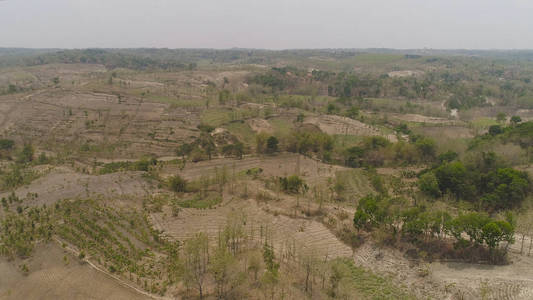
[
  {"x": 292, "y": 184},
  {"x": 6, "y": 144},
  {"x": 177, "y": 184},
  {"x": 418, "y": 224},
  {"x": 484, "y": 182}
]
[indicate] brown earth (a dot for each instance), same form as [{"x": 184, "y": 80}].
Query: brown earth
[
  {"x": 260, "y": 125},
  {"x": 51, "y": 277},
  {"x": 284, "y": 164},
  {"x": 63, "y": 183},
  {"x": 282, "y": 231}
]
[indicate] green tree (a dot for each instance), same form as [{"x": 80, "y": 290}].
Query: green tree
[
  {"x": 452, "y": 177},
  {"x": 219, "y": 266},
  {"x": 371, "y": 211},
  {"x": 505, "y": 188},
  {"x": 261, "y": 142},
  {"x": 332, "y": 108},
  {"x": 501, "y": 117},
  {"x": 426, "y": 147},
  {"x": 292, "y": 184},
  {"x": 429, "y": 184},
  {"x": 493, "y": 234},
  {"x": 6, "y": 144},
  {"x": 177, "y": 184},
  {"x": 515, "y": 120},
  {"x": 184, "y": 150},
  {"x": 26, "y": 154},
  {"x": 472, "y": 225},
  {"x": 272, "y": 145},
  {"x": 271, "y": 277},
  {"x": 495, "y": 130}
]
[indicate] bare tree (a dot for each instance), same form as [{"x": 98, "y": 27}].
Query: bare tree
[{"x": 196, "y": 261}]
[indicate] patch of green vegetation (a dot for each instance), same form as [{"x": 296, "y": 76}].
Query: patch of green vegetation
[
  {"x": 216, "y": 117},
  {"x": 483, "y": 123},
  {"x": 351, "y": 184},
  {"x": 366, "y": 283},
  {"x": 174, "y": 102},
  {"x": 21, "y": 229},
  {"x": 198, "y": 201},
  {"x": 15, "y": 176},
  {"x": 423, "y": 226},
  {"x": 120, "y": 166},
  {"x": 242, "y": 131},
  {"x": 282, "y": 127},
  {"x": 484, "y": 180},
  {"x": 345, "y": 141}
]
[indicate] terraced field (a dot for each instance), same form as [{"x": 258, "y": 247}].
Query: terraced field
[
  {"x": 285, "y": 164},
  {"x": 331, "y": 124},
  {"x": 513, "y": 281},
  {"x": 114, "y": 126},
  {"x": 284, "y": 232},
  {"x": 63, "y": 183}
]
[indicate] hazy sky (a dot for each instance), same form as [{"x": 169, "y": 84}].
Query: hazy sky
[{"x": 273, "y": 24}]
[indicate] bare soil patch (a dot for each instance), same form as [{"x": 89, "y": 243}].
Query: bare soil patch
[
  {"x": 423, "y": 119},
  {"x": 62, "y": 183},
  {"x": 405, "y": 73},
  {"x": 52, "y": 277},
  {"x": 260, "y": 125}
]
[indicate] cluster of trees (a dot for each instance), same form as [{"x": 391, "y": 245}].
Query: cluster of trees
[
  {"x": 19, "y": 230},
  {"x": 377, "y": 151},
  {"x": 266, "y": 144},
  {"x": 518, "y": 133},
  {"x": 420, "y": 224},
  {"x": 311, "y": 142},
  {"x": 207, "y": 145},
  {"x": 200, "y": 263},
  {"x": 236, "y": 149},
  {"x": 18, "y": 172},
  {"x": 292, "y": 184},
  {"x": 462, "y": 89},
  {"x": 484, "y": 182},
  {"x": 111, "y": 59},
  {"x": 278, "y": 79}
]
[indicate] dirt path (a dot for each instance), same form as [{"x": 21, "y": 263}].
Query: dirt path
[
  {"x": 55, "y": 274},
  {"x": 116, "y": 278}
]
